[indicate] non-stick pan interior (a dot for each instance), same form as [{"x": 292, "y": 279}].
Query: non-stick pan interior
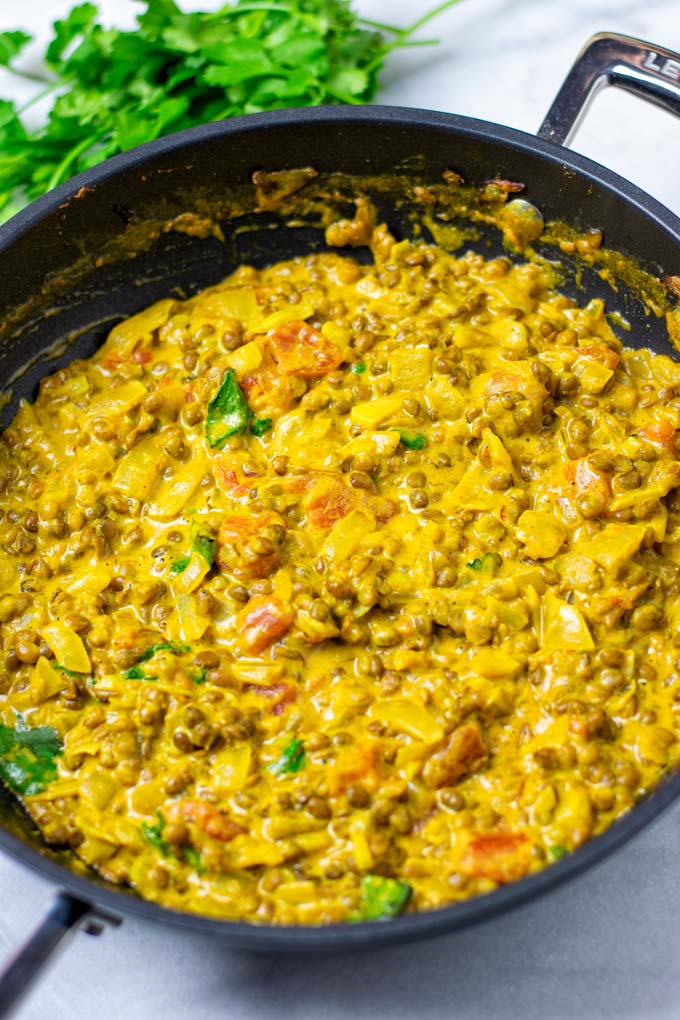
[
  {"x": 95, "y": 248},
  {"x": 78, "y": 261}
]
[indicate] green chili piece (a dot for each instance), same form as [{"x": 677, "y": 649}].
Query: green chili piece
[
  {"x": 292, "y": 759},
  {"x": 382, "y": 898},
  {"x": 412, "y": 440}
]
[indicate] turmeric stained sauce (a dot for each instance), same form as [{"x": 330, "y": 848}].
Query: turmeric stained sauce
[{"x": 342, "y": 590}]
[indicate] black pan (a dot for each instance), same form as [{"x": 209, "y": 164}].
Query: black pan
[{"x": 83, "y": 257}]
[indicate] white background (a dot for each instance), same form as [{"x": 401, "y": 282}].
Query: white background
[{"x": 607, "y": 946}]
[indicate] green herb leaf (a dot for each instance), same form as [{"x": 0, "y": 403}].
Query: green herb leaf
[
  {"x": 382, "y": 898},
  {"x": 164, "y": 646},
  {"x": 113, "y": 89},
  {"x": 292, "y": 759},
  {"x": 67, "y": 672},
  {"x": 11, "y": 45},
  {"x": 556, "y": 853},
  {"x": 358, "y": 368},
  {"x": 486, "y": 564},
  {"x": 205, "y": 547},
  {"x": 228, "y": 412},
  {"x": 75, "y": 26},
  {"x": 28, "y": 757},
  {"x": 136, "y": 673},
  {"x": 153, "y": 834},
  {"x": 193, "y": 859},
  {"x": 412, "y": 440},
  {"x": 260, "y": 426},
  {"x": 200, "y": 677},
  {"x": 179, "y": 565}
]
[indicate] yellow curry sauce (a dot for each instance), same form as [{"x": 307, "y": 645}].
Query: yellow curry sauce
[{"x": 339, "y": 590}]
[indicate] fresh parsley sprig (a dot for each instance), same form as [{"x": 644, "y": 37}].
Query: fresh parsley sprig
[
  {"x": 113, "y": 89},
  {"x": 28, "y": 757}
]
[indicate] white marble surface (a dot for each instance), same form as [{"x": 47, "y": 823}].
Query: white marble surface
[{"x": 608, "y": 945}]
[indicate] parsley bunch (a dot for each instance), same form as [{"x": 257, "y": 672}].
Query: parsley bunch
[{"x": 115, "y": 89}]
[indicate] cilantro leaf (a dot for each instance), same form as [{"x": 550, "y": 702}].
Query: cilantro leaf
[
  {"x": 179, "y": 565},
  {"x": 136, "y": 673},
  {"x": 164, "y": 646},
  {"x": 193, "y": 859},
  {"x": 153, "y": 834},
  {"x": 486, "y": 564},
  {"x": 228, "y": 412},
  {"x": 556, "y": 853},
  {"x": 28, "y": 757},
  {"x": 11, "y": 45},
  {"x": 74, "y": 26},
  {"x": 382, "y": 898},
  {"x": 205, "y": 547},
  {"x": 292, "y": 759},
  {"x": 260, "y": 426}
]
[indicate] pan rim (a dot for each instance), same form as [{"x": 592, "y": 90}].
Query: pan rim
[
  {"x": 407, "y": 927},
  {"x": 370, "y": 114},
  {"x": 113, "y": 901}
]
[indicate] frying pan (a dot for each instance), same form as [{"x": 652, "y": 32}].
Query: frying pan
[{"x": 90, "y": 253}]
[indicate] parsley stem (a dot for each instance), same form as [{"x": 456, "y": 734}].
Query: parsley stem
[
  {"x": 30, "y": 76},
  {"x": 343, "y": 98},
  {"x": 68, "y": 160},
  {"x": 434, "y": 13},
  {"x": 419, "y": 42},
  {"x": 380, "y": 27},
  {"x": 38, "y": 96},
  {"x": 256, "y": 5}
]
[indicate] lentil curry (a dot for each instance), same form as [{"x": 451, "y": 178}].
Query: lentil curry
[{"x": 341, "y": 589}]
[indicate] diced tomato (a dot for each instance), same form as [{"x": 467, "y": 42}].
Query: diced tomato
[
  {"x": 503, "y": 381},
  {"x": 357, "y": 762},
  {"x": 381, "y": 506},
  {"x": 287, "y": 698},
  {"x": 605, "y": 355},
  {"x": 285, "y": 694},
  {"x": 228, "y": 480},
  {"x": 583, "y": 478},
  {"x": 661, "y": 433},
  {"x": 114, "y": 359},
  {"x": 268, "y": 387},
  {"x": 234, "y": 533},
  {"x": 302, "y": 351},
  {"x": 299, "y": 484},
  {"x": 263, "y": 621},
  {"x": 460, "y": 754},
  {"x": 501, "y": 856},
  {"x": 262, "y": 294},
  {"x": 209, "y": 819},
  {"x": 143, "y": 356},
  {"x": 328, "y": 501},
  {"x": 238, "y": 528}
]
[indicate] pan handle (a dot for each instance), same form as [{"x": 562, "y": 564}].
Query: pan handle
[
  {"x": 65, "y": 915},
  {"x": 652, "y": 72}
]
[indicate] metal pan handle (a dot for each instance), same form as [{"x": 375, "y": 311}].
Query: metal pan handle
[
  {"x": 64, "y": 917},
  {"x": 652, "y": 72}
]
